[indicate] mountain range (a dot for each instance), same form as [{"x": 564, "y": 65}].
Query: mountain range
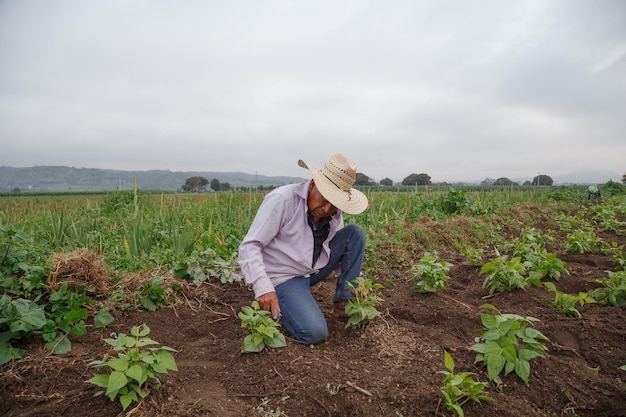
[{"x": 63, "y": 178}]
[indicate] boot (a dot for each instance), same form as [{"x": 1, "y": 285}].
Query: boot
[{"x": 339, "y": 310}]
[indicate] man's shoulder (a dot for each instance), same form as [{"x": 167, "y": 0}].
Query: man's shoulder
[{"x": 289, "y": 190}]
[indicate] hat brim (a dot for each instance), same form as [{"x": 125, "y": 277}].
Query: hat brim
[{"x": 352, "y": 201}]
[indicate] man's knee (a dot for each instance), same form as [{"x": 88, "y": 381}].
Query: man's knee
[
  {"x": 356, "y": 231},
  {"x": 314, "y": 335}
]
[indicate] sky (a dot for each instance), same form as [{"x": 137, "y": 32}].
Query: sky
[{"x": 458, "y": 89}]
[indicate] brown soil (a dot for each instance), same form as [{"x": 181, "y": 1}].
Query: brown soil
[{"x": 387, "y": 369}]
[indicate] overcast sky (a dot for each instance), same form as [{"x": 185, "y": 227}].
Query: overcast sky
[{"x": 459, "y": 90}]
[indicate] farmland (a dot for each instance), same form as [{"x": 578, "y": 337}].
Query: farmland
[{"x": 169, "y": 261}]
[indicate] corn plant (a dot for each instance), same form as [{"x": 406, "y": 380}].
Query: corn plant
[
  {"x": 135, "y": 367},
  {"x": 263, "y": 330},
  {"x": 566, "y": 303},
  {"x": 612, "y": 290},
  {"x": 460, "y": 388},
  {"x": 508, "y": 344},
  {"x": 361, "y": 309},
  {"x": 429, "y": 274}
]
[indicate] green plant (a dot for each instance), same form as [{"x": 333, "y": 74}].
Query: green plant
[
  {"x": 546, "y": 264},
  {"x": 361, "y": 309},
  {"x": 152, "y": 295},
  {"x": 67, "y": 315},
  {"x": 266, "y": 411},
  {"x": 566, "y": 303},
  {"x": 134, "y": 368},
  {"x": 613, "y": 289},
  {"x": 460, "y": 388},
  {"x": 582, "y": 241},
  {"x": 264, "y": 330},
  {"x": 617, "y": 250},
  {"x": 508, "y": 344},
  {"x": 474, "y": 256},
  {"x": 430, "y": 275},
  {"x": 19, "y": 318},
  {"x": 205, "y": 266},
  {"x": 503, "y": 274}
]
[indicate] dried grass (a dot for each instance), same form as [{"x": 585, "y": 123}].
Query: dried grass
[{"x": 81, "y": 268}]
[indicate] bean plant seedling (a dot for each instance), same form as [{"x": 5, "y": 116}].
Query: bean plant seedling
[
  {"x": 566, "y": 303},
  {"x": 264, "y": 330},
  {"x": 459, "y": 388},
  {"x": 362, "y": 308},
  {"x": 134, "y": 367},
  {"x": 430, "y": 274},
  {"x": 508, "y": 344}
]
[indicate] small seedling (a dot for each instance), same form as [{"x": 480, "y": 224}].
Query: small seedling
[
  {"x": 264, "y": 330},
  {"x": 430, "y": 275},
  {"x": 613, "y": 289},
  {"x": 460, "y": 388},
  {"x": 362, "y": 307},
  {"x": 566, "y": 303},
  {"x": 134, "y": 368},
  {"x": 508, "y": 344}
]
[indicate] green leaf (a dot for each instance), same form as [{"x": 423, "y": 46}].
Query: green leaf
[
  {"x": 136, "y": 372},
  {"x": 494, "y": 360},
  {"x": 60, "y": 345},
  {"x": 127, "y": 399},
  {"x": 167, "y": 360},
  {"x": 117, "y": 380},
  {"x": 522, "y": 369},
  {"x": 103, "y": 318},
  {"x": 101, "y": 380},
  {"x": 80, "y": 329},
  {"x": 8, "y": 353},
  {"x": 118, "y": 364}
]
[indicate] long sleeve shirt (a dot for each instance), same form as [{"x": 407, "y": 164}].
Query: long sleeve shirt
[{"x": 279, "y": 243}]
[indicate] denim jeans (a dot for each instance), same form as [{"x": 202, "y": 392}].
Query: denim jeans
[{"x": 301, "y": 315}]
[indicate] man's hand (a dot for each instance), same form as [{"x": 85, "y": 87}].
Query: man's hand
[{"x": 269, "y": 302}]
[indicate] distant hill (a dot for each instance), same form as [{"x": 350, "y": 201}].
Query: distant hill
[{"x": 62, "y": 178}]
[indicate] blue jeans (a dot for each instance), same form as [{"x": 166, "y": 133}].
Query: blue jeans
[{"x": 301, "y": 315}]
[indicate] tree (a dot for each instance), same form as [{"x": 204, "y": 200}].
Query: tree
[
  {"x": 417, "y": 179},
  {"x": 387, "y": 182},
  {"x": 195, "y": 184},
  {"x": 362, "y": 179},
  {"x": 225, "y": 186},
  {"x": 487, "y": 181},
  {"x": 624, "y": 179},
  {"x": 504, "y": 181},
  {"x": 215, "y": 184},
  {"x": 542, "y": 180}
]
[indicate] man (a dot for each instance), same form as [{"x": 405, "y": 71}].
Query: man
[{"x": 297, "y": 239}]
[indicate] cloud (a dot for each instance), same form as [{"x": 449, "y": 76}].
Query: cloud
[{"x": 447, "y": 88}]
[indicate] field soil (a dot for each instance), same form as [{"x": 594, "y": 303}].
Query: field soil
[{"x": 389, "y": 368}]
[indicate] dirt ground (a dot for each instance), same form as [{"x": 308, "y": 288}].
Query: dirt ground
[{"x": 389, "y": 368}]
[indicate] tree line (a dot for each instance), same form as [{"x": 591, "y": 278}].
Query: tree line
[{"x": 198, "y": 184}]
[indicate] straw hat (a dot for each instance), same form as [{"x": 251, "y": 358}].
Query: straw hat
[{"x": 335, "y": 180}]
